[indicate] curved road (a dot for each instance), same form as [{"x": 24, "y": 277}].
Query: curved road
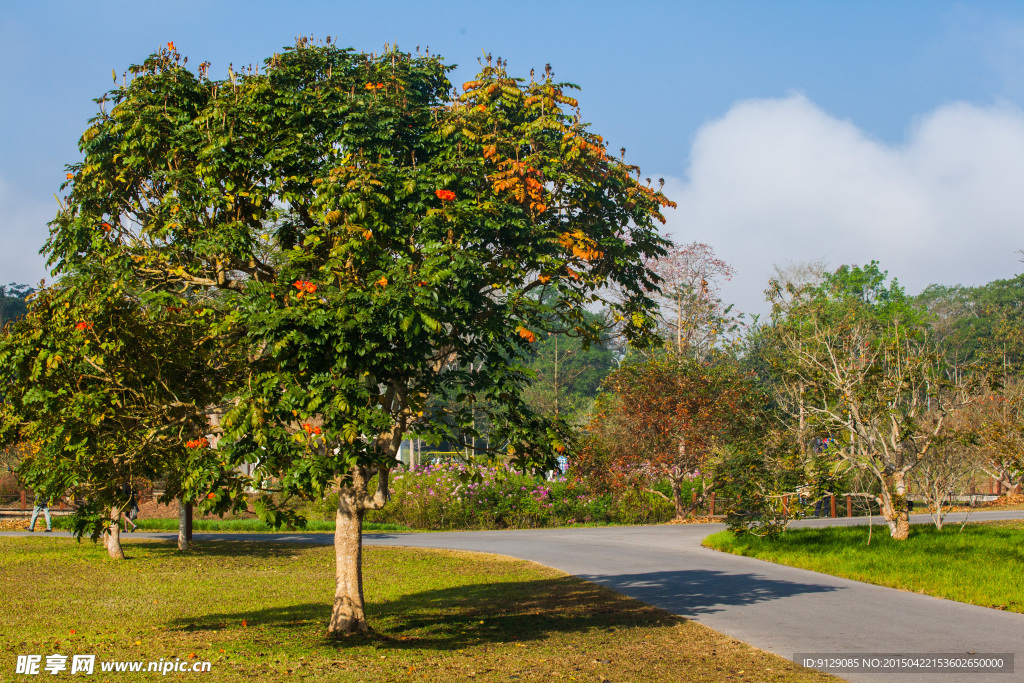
[{"x": 776, "y": 608}]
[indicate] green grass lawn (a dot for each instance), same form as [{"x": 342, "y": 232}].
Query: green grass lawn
[
  {"x": 980, "y": 565},
  {"x": 259, "y": 612}
]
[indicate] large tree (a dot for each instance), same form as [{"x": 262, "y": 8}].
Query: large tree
[
  {"x": 854, "y": 364},
  {"x": 382, "y": 240}
]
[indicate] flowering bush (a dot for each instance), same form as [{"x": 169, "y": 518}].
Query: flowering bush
[{"x": 437, "y": 497}]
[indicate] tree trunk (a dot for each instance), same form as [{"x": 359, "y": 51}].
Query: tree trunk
[
  {"x": 677, "y": 496},
  {"x": 113, "y": 535},
  {"x": 182, "y": 522},
  {"x": 348, "y": 615},
  {"x": 894, "y": 507}
]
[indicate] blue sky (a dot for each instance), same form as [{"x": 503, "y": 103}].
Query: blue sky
[{"x": 788, "y": 131}]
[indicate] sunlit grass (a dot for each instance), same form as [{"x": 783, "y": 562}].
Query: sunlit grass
[
  {"x": 259, "y": 612},
  {"x": 980, "y": 565}
]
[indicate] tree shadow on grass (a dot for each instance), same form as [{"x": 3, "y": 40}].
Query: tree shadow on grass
[
  {"x": 522, "y": 611},
  {"x": 219, "y": 549},
  {"x": 463, "y": 616}
]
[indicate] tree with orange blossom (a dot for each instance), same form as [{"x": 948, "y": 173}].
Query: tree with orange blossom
[{"x": 379, "y": 238}]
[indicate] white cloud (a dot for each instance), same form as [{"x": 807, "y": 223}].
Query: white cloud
[
  {"x": 22, "y": 233},
  {"x": 780, "y": 180}
]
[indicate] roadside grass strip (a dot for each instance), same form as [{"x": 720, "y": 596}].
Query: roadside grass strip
[
  {"x": 979, "y": 565},
  {"x": 259, "y": 611}
]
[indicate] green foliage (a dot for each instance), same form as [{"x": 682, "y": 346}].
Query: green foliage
[
  {"x": 107, "y": 382},
  {"x": 981, "y": 328},
  {"x": 370, "y": 241}
]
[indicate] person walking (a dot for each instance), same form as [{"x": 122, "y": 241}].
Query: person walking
[
  {"x": 42, "y": 504},
  {"x": 132, "y": 508}
]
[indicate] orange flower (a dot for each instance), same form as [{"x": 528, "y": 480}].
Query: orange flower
[
  {"x": 526, "y": 334},
  {"x": 83, "y": 326},
  {"x": 383, "y": 281},
  {"x": 544, "y": 279},
  {"x": 310, "y": 429},
  {"x": 303, "y": 286},
  {"x": 105, "y": 226},
  {"x": 70, "y": 176},
  {"x": 198, "y": 443},
  {"x": 170, "y": 45},
  {"x": 445, "y": 195},
  {"x": 211, "y": 496}
]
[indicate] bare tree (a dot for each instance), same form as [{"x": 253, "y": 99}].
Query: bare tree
[
  {"x": 855, "y": 354},
  {"x": 946, "y": 472}
]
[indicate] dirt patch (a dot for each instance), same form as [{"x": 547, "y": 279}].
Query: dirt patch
[{"x": 703, "y": 519}]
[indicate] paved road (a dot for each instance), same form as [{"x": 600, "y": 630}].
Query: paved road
[{"x": 776, "y": 608}]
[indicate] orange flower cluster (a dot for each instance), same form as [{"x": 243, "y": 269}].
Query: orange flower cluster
[
  {"x": 70, "y": 176},
  {"x": 170, "y": 45},
  {"x": 83, "y": 326},
  {"x": 304, "y": 288},
  {"x": 526, "y": 334},
  {"x": 197, "y": 443},
  {"x": 310, "y": 429},
  {"x": 382, "y": 282},
  {"x": 582, "y": 246},
  {"x": 445, "y": 195},
  {"x": 105, "y": 226},
  {"x": 374, "y": 86}
]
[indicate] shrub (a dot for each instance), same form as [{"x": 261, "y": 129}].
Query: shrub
[{"x": 443, "y": 496}]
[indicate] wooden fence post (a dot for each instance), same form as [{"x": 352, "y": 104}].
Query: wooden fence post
[
  {"x": 832, "y": 503},
  {"x": 785, "y": 505},
  {"x": 849, "y": 505},
  {"x": 694, "y": 501},
  {"x": 711, "y": 507},
  {"x": 23, "y": 502}
]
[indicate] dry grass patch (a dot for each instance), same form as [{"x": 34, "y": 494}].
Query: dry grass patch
[{"x": 259, "y": 611}]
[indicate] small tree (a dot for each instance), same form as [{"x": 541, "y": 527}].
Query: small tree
[
  {"x": 381, "y": 241},
  {"x": 691, "y": 314},
  {"x": 670, "y": 415},
  {"x": 109, "y": 385}
]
